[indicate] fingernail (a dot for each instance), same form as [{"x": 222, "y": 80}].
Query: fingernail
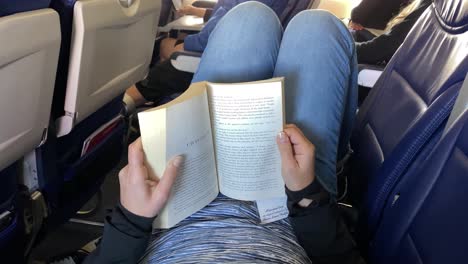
[
  {"x": 282, "y": 137},
  {"x": 177, "y": 162}
]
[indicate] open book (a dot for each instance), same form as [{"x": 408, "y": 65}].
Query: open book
[{"x": 226, "y": 133}]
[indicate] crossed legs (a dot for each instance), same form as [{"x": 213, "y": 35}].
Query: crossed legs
[{"x": 315, "y": 55}]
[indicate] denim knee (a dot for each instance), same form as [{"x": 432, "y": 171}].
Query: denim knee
[
  {"x": 245, "y": 42},
  {"x": 321, "y": 24}
]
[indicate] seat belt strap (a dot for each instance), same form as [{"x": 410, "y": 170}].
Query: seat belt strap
[{"x": 461, "y": 104}]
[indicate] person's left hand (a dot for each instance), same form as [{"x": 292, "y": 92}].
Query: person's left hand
[
  {"x": 139, "y": 194},
  {"x": 297, "y": 158}
]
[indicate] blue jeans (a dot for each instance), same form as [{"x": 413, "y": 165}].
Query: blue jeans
[{"x": 315, "y": 54}]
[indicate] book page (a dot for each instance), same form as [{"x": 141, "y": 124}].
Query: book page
[
  {"x": 187, "y": 132},
  {"x": 246, "y": 119},
  {"x": 272, "y": 210}
]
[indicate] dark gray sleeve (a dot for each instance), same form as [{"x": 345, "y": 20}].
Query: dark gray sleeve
[
  {"x": 320, "y": 229},
  {"x": 124, "y": 240}
]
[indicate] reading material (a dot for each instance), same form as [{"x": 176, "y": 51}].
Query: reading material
[{"x": 226, "y": 133}]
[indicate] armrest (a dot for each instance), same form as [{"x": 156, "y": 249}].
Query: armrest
[
  {"x": 191, "y": 23},
  {"x": 205, "y": 3},
  {"x": 369, "y": 74},
  {"x": 186, "y": 61}
]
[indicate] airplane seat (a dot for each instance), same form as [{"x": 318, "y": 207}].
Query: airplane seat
[
  {"x": 30, "y": 37},
  {"x": 426, "y": 220},
  {"x": 107, "y": 47},
  {"x": 402, "y": 117}
]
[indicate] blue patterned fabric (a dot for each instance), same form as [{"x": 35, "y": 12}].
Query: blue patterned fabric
[{"x": 226, "y": 231}]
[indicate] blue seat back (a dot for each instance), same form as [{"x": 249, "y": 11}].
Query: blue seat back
[
  {"x": 426, "y": 223},
  {"x": 409, "y": 103},
  {"x": 8, "y": 7}
]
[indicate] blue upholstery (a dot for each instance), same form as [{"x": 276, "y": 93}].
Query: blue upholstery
[
  {"x": 65, "y": 10},
  {"x": 12, "y": 235},
  {"x": 427, "y": 223},
  {"x": 8, "y": 7},
  {"x": 409, "y": 104}
]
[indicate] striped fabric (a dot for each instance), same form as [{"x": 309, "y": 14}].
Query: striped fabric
[{"x": 226, "y": 231}]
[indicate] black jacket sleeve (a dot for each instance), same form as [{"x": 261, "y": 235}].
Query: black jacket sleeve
[
  {"x": 376, "y": 13},
  {"x": 124, "y": 240},
  {"x": 382, "y": 48},
  {"x": 320, "y": 229}
]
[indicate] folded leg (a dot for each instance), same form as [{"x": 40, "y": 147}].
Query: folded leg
[
  {"x": 243, "y": 46},
  {"x": 317, "y": 59}
]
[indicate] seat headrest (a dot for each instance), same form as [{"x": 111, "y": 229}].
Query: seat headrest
[{"x": 453, "y": 14}]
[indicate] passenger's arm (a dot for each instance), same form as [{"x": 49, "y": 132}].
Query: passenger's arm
[
  {"x": 124, "y": 239},
  {"x": 192, "y": 10},
  {"x": 375, "y": 14},
  {"x": 127, "y": 231},
  {"x": 314, "y": 217},
  {"x": 382, "y": 48},
  {"x": 197, "y": 42},
  {"x": 320, "y": 229}
]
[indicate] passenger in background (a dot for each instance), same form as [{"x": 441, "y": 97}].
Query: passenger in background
[
  {"x": 171, "y": 45},
  {"x": 375, "y": 14},
  {"x": 376, "y": 44},
  {"x": 163, "y": 78}
]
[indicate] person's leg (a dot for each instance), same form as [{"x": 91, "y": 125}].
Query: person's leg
[
  {"x": 317, "y": 59},
  {"x": 169, "y": 46},
  {"x": 243, "y": 46},
  {"x": 162, "y": 80},
  {"x": 132, "y": 99}
]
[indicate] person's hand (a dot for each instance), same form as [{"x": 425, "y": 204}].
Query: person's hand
[
  {"x": 355, "y": 26},
  {"x": 191, "y": 10},
  {"x": 139, "y": 194},
  {"x": 297, "y": 158}
]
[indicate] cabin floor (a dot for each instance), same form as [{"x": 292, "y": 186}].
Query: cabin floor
[{"x": 73, "y": 236}]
